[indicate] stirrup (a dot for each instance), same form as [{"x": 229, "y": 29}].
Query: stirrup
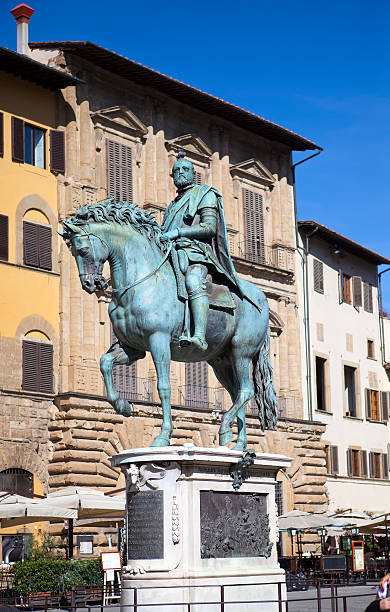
[{"x": 194, "y": 341}]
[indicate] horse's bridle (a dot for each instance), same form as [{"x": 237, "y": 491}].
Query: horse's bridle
[{"x": 109, "y": 293}]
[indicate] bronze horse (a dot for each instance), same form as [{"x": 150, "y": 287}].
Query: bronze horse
[{"x": 147, "y": 315}]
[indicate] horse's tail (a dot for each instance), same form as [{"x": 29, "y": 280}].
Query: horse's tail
[{"x": 265, "y": 394}]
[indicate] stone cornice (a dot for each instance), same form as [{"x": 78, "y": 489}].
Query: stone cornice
[
  {"x": 254, "y": 171},
  {"x": 119, "y": 119},
  {"x": 193, "y": 146},
  {"x": 263, "y": 271}
]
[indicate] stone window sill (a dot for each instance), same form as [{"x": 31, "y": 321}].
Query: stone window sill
[
  {"x": 353, "y": 418},
  {"x": 323, "y": 411},
  {"x": 375, "y": 421},
  {"x": 32, "y": 394}
]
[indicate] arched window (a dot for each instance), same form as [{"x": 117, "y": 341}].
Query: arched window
[
  {"x": 37, "y": 240},
  {"x": 37, "y": 363},
  {"x": 17, "y": 480}
]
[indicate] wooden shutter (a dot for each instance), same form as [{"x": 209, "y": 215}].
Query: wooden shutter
[
  {"x": 4, "y": 237},
  {"x": 44, "y": 247},
  {"x": 30, "y": 365},
  {"x": 17, "y": 128},
  {"x": 37, "y": 245},
  {"x": 363, "y": 459},
  {"x": 37, "y": 366},
  {"x": 119, "y": 172},
  {"x": 385, "y": 406},
  {"x": 45, "y": 371},
  {"x": 349, "y": 461},
  {"x": 367, "y": 297},
  {"x": 318, "y": 274},
  {"x": 254, "y": 226},
  {"x": 124, "y": 376},
  {"x": 334, "y": 459},
  {"x": 385, "y": 466},
  {"x": 341, "y": 288},
  {"x": 30, "y": 244},
  {"x": 1, "y": 134},
  {"x": 57, "y": 151},
  {"x": 372, "y": 465},
  {"x": 368, "y": 403},
  {"x": 197, "y": 384},
  {"x": 198, "y": 178},
  {"x": 357, "y": 291}
]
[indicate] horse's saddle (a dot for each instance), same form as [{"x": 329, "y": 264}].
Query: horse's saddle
[{"x": 219, "y": 294}]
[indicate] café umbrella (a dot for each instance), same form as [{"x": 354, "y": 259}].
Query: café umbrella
[
  {"x": 19, "y": 510},
  {"x": 299, "y": 520},
  {"x": 89, "y": 503}
]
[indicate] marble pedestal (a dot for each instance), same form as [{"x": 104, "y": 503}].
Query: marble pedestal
[{"x": 188, "y": 531}]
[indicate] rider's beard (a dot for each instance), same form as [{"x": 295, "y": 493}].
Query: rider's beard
[{"x": 182, "y": 182}]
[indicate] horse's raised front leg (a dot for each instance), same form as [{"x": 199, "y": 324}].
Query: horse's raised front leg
[
  {"x": 245, "y": 393},
  {"x": 161, "y": 354},
  {"x": 117, "y": 355}
]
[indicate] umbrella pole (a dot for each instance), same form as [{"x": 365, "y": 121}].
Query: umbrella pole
[
  {"x": 387, "y": 543},
  {"x": 70, "y": 539}
]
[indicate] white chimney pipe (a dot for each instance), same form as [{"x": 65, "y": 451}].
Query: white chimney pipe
[{"x": 22, "y": 14}]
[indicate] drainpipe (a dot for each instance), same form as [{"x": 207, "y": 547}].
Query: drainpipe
[
  {"x": 303, "y": 255},
  {"x": 380, "y": 310}
]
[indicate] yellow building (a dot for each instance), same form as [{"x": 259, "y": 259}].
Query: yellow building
[{"x": 32, "y": 154}]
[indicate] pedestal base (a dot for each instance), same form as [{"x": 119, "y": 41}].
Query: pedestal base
[{"x": 192, "y": 538}]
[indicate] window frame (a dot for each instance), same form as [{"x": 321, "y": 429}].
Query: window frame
[
  {"x": 355, "y": 368},
  {"x": 34, "y": 128},
  {"x": 326, "y": 382},
  {"x": 370, "y": 342}
]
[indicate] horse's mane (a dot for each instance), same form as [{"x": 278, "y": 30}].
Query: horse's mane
[{"x": 122, "y": 213}]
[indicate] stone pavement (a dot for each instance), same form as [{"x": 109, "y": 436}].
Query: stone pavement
[{"x": 364, "y": 595}]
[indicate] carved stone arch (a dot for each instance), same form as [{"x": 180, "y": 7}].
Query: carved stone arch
[
  {"x": 275, "y": 323},
  {"x": 35, "y": 201},
  {"x": 16, "y": 455},
  {"x": 37, "y": 323}
]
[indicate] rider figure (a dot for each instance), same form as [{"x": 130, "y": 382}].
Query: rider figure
[{"x": 195, "y": 221}]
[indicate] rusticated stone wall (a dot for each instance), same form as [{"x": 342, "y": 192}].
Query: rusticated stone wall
[{"x": 85, "y": 432}]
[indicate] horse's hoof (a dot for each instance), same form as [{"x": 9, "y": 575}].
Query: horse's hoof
[
  {"x": 225, "y": 437},
  {"x": 122, "y": 406},
  {"x": 160, "y": 441},
  {"x": 240, "y": 446}
]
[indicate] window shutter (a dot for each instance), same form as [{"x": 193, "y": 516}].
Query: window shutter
[
  {"x": 124, "y": 376},
  {"x": 30, "y": 365},
  {"x": 318, "y": 274},
  {"x": 363, "y": 457},
  {"x": 1, "y": 134},
  {"x": 4, "y": 237},
  {"x": 254, "y": 226},
  {"x": 197, "y": 384},
  {"x": 57, "y": 151},
  {"x": 385, "y": 466},
  {"x": 44, "y": 247},
  {"x": 31, "y": 244},
  {"x": 385, "y": 406},
  {"x": 198, "y": 178},
  {"x": 357, "y": 291},
  {"x": 334, "y": 459},
  {"x": 17, "y": 126},
  {"x": 368, "y": 404},
  {"x": 119, "y": 172},
  {"x": 367, "y": 297},
  {"x": 349, "y": 462},
  {"x": 372, "y": 465},
  {"x": 45, "y": 371}
]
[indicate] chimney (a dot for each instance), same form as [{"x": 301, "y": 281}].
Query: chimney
[{"x": 22, "y": 14}]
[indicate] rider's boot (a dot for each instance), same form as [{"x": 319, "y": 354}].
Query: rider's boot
[{"x": 200, "y": 309}]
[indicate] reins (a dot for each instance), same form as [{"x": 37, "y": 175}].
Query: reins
[{"x": 144, "y": 278}]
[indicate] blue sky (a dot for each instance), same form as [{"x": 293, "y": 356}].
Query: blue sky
[{"x": 319, "y": 69}]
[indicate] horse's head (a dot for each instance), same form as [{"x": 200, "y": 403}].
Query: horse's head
[{"x": 90, "y": 252}]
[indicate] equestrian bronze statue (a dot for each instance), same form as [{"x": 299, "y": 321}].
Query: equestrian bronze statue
[{"x": 175, "y": 292}]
